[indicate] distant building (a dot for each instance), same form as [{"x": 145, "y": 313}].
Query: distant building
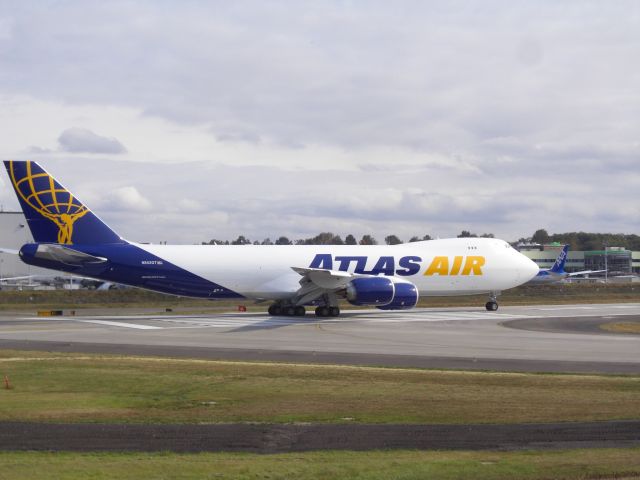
[
  {"x": 617, "y": 260},
  {"x": 14, "y": 233}
]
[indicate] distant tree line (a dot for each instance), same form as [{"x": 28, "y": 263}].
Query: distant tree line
[
  {"x": 327, "y": 238},
  {"x": 576, "y": 240},
  {"x": 585, "y": 240}
]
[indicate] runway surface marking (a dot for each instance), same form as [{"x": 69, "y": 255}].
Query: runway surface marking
[
  {"x": 121, "y": 324},
  {"x": 240, "y": 320}
]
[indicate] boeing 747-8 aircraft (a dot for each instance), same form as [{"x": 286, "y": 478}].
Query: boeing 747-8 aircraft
[{"x": 70, "y": 238}]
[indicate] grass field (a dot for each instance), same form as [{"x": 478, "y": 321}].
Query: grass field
[
  {"x": 380, "y": 465},
  {"x": 89, "y": 388},
  {"x": 132, "y": 298},
  {"x": 622, "y": 327}
]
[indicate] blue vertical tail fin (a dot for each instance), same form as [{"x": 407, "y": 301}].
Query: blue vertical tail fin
[
  {"x": 558, "y": 266},
  {"x": 53, "y": 213}
]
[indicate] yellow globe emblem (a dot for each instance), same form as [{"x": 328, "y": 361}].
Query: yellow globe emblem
[{"x": 42, "y": 193}]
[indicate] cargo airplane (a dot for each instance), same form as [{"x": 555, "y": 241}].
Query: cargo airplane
[{"x": 71, "y": 238}]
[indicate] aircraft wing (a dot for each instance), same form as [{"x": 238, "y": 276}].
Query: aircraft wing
[
  {"x": 584, "y": 272},
  {"x": 316, "y": 282}
]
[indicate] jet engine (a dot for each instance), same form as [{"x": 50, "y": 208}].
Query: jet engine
[
  {"x": 386, "y": 293},
  {"x": 405, "y": 297},
  {"x": 370, "y": 291}
]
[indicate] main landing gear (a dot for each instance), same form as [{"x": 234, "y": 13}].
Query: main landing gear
[
  {"x": 289, "y": 310},
  {"x": 328, "y": 311},
  {"x": 492, "y": 304}
]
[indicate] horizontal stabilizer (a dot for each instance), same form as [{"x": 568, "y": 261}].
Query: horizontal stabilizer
[{"x": 66, "y": 255}]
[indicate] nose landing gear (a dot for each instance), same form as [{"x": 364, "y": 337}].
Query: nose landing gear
[{"x": 492, "y": 304}]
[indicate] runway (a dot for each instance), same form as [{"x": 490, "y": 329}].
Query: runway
[{"x": 533, "y": 338}]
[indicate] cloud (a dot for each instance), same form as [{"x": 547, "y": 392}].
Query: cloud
[
  {"x": 81, "y": 140},
  {"x": 358, "y": 117},
  {"x": 422, "y": 76},
  {"x": 126, "y": 199},
  {"x": 35, "y": 150}
]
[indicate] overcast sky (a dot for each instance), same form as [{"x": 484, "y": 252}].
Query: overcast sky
[{"x": 186, "y": 121}]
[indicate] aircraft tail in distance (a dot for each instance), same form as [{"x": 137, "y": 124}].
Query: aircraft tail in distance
[
  {"x": 558, "y": 266},
  {"x": 53, "y": 213}
]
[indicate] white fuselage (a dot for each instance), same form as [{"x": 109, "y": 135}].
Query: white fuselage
[{"x": 456, "y": 266}]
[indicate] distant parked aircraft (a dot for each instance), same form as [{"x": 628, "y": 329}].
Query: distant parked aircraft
[
  {"x": 556, "y": 272},
  {"x": 69, "y": 237}
]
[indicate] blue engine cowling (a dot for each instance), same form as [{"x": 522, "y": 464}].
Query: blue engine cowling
[
  {"x": 406, "y": 297},
  {"x": 370, "y": 291}
]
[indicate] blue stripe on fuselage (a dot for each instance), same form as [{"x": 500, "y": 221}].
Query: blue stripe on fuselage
[{"x": 131, "y": 265}]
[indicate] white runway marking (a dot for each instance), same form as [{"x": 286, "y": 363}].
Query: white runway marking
[
  {"x": 565, "y": 307},
  {"x": 237, "y": 321},
  {"x": 122, "y": 324},
  {"x": 118, "y": 324}
]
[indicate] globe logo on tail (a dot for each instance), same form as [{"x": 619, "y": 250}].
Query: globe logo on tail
[{"x": 42, "y": 193}]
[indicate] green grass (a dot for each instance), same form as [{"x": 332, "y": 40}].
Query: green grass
[
  {"x": 90, "y": 388},
  {"x": 380, "y": 465},
  {"x": 622, "y": 327},
  {"x": 137, "y": 298}
]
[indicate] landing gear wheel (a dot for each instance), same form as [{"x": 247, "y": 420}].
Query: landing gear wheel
[
  {"x": 300, "y": 311},
  {"x": 275, "y": 310},
  {"x": 334, "y": 311},
  {"x": 289, "y": 311},
  {"x": 322, "y": 311},
  {"x": 491, "y": 306}
]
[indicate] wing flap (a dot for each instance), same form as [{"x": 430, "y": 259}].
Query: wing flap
[
  {"x": 325, "y": 279},
  {"x": 316, "y": 282}
]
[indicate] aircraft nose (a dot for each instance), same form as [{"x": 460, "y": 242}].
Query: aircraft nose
[{"x": 527, "y": 268}]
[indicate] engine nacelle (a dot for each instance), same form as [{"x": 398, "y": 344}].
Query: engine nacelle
[
  {"x": 406, "y": 296},
  {"x": 376, "y": 291}
]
